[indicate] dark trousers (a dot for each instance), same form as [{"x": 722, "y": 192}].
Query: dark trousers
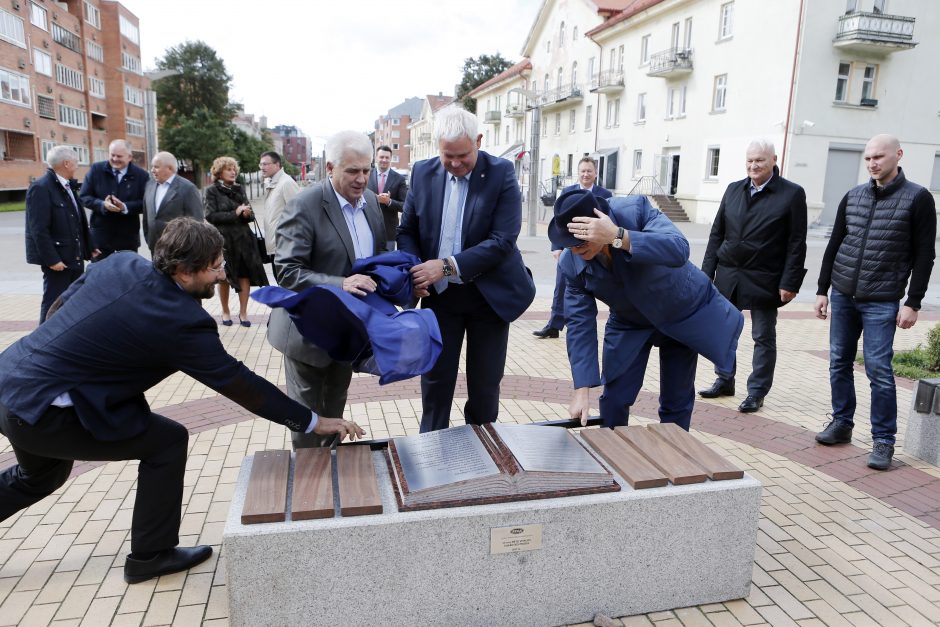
[
  {"x": 677, "y": 363},
  {"x": 322, "y": 389},
  {"x": 557, "y": 321},
  {"x": 45, "y": 452},
  {"x": 54, "y": 283},
  {"x": 461, "y": 310},
  {"x": 764, "y": 334}
]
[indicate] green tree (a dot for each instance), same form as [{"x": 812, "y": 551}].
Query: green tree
[
  {"x": 247, "y": 149},
  {"x": 475, "y": 73},
  {"x": 200, "y": 138}
]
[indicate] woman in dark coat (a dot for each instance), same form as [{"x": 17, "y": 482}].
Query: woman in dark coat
[{"x": 228, "y": 209}]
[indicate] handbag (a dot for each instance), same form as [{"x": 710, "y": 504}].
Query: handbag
[{"x": 259, "y": 242}]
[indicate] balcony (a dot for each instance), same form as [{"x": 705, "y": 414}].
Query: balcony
[
  {"x": 492, "y": 117},
  {"x": 561, "y": 96},
  {"x": 516, "y": 110},
  {"x": 607, "y": 82},
  {"x": 874, "y": 33},
  {"x": 671, "y": 63},
  {"x": 424, "y": 137}
]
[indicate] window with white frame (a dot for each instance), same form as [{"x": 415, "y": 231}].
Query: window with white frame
[
  {"x": 726, "y": 21},
  {"x": 588, "y": 117},
  {"x": 610, "y": 114},
  {"x": 574, "y": 74},
  {"x": 645, "y": 50},
  {"x": 14, "y": 88},
  {"x": 682, "y": 92},
  {"x": 92, "y": 16},
  {"x": 45, "y": 146},
  {"x": 69, "y": 77},
  {"x": 574, "y": 34},
  {"x": 868, "y": 82},
  {"x": 613, "y": 59},
  {"x": 617, "y": 112},
  {"x": 506, "y": 140},
  {"x": 851, "y": 6},
  {"x": 45, "y": 107},
  {"x": 842, "y": 82},
  {"x": 133, "y": 95},
  {"x": 129, "y": 29},
  {"x": 711, "y": 162},
  {"x": 548, "y": 46},
  {"x": 641, "y": 107},
  {"x": 394, "y": 146},
  {"x": 396, "y": 121},
  {"x": 878, "y": 7},
  {"x": 395, "y": 159},
  {"x": 101, "y": 154},
  {"x": 94, "y": 50},
  {"x": 545, "y": 128},
  {"x": 71, "y": 116},
  {"x": 720, "y": 93},
  {"x": 135, "y": 127},
  {"x": 672, "y": 102},
  {"x": 396, "y": 134},
  {"x": 558, "y": 124},
  {"x": 637, "y": 163},
  {"x": 82, "y": 152},
  {"x": 561, "y": 35},
  {"x": 12, "y": 29},
  {"x": 130, "y": 62},
  {"x": 96, "y": 87},
  {"x": 67, "y": 38},
  {"x": 687, "y": 38},
  {"x": 590, "y": 68},
  {"x": 561, "y": 78},
  {"x": 572, "y": 120},
  {"x": 38, "y": 16},
  {"x": 674, "y": 35},
  {"x": 42, "y": 61},
  {"x": 620, "y": 58}
]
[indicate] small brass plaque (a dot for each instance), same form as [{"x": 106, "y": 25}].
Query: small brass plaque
[{"x": 515, "y": 539}]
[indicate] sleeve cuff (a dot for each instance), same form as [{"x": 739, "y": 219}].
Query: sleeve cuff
[{"x": 314, "y": 419}]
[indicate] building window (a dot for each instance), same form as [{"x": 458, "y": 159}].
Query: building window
[
  {"x": 674, "y": 35},
  {"x": 506, "y": 140},
  {"x": 69, "y": 77},
  {"x": 394, "y": 158},
  {"x": 645, "y": 50},
  {"x": 726, "y": 23},
  {"x": 617, "y": 112},
  {"x": 396, "y": 121},
  {"x": 82, "y": 152},
  {"x": 14, "y": 88},
  {"x": 620, "y": 58},
  {"x": 574, "y": 74},
  {"x": 396, "y": 134},
  {"x": 135, "y": 127},
  {"x": 557, "y": 124},
  {"x": 868, "y": 82},
  {"x": 130, "y": 62},
  {"x": 66, "y": 38},
  {"x": 92, "y": 16},
  {"x": 637, "y": 163},
  {"x": 38, "y": 16},
  {"x": 719, "y": 96},
  {"x": 129, "y": 29},
  {"x": 45, "y": 107},
  {"x": 687, "y": 40},
  {"x": 12, "y": 29},
  {"x": 574, "y": 34},
  {"x": 588, "y": 117},
  {"x": 641, "y": 107},
  {"x": 879, "y": 6},
  {"x": 682, "y": 92},
  {"x": 394, "y": 146},
  {"x": 561, "y": 35},
  {"x": 561, "y": 80},
  {"x": 842, "y": 82},
  {"x": 711, "y": 163},
  {"x": 590, "y": 68},
  {"x": 42, "y": 61},
  {"x": 94, "y": 51},
  {"x": 572, "y": 120},
  {"x": 101, "y": 154},
  {"x": 96, "y": 87},
  {"x": 70, "y": 116},
  {"x": 45, "y": 146},
  {"x": 548, "y": 46}
]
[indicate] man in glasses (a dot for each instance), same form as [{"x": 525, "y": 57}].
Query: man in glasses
[
  {"x": 279, "y": 189},
  {"x": 74, "y": 388}
]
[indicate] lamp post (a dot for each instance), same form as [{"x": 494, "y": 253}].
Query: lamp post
[{"x": 533, "y": 155}]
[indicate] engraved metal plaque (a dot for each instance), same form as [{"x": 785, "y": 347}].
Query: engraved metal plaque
[
  {"x": 549, "y": 449},
  {"x": 437, "y": 458},
  {"x": 515, "y": 539}
]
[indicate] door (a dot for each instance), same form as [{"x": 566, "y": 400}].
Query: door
[
  {"x": 674, "y": 176},
  {"x": 842, "y": 169}
]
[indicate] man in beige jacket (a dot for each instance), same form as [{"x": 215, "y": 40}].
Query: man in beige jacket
[{"x": 279, "y": 189}]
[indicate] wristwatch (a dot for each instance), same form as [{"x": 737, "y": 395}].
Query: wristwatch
[
  {"x": 448, "y": 269},
  {"x": 618, "y": 241}
]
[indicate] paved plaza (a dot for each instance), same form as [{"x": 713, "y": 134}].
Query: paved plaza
[{"x": 838, "y": 544}]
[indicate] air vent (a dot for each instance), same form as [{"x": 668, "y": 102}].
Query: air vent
[
  {"x": 65, "y": 137},
  {"x": 58, "y": 56},
  {"x": 16, "y": 5},
  {"x": 48, "y": 89},
  {"x": 45, "y": 43},
  {"x": 52, "y": 134},
  {"x": 27, "y": 122},
  {"x": 22, "y": 63}
]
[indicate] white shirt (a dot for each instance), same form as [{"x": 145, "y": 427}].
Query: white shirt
[{"x": 162, "y": 189}]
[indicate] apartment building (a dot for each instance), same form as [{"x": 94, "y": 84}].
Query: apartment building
[
  {"x": 392, "y": 129},
  {"x": 294, "y": 144},
  {"x": 70, "y": 73},
  {"x": 420, "y": 129},
  {"x": 501, "y": 108}
]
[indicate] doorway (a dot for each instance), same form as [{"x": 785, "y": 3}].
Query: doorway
[{"x": 842, "y": 168}]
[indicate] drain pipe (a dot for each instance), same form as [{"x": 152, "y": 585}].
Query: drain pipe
[{"x": 796, "y": 54}]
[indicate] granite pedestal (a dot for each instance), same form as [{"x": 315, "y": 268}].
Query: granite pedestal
[
  {"x": 618, "y": 553},
  {"x": 922, "y": 438}
]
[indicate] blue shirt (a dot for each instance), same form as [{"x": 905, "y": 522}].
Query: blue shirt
[{"x": 359, "y": 231}]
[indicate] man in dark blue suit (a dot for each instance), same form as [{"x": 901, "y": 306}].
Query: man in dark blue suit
[
  {"x": 114, "y": 191},
  {"x": 462, "y": 217},
  {"x": 587, "y": 175},
  {"x": 74, "y": 387},
  {"x": 631, "y": 257},
  {"x": 56, "y": 227}
]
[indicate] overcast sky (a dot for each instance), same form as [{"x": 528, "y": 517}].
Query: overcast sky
[{"x": 325, "y": 65}]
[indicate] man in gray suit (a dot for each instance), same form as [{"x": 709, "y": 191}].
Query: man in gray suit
[
  {"x": 322, "y": 231},
  {"x": 168, "y": 196}
]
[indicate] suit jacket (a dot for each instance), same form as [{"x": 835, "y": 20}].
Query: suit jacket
[
  {"x": 314, "y": 247},
  {"x": 597, "y": 190},
  {"x": 110, "y": 230},
  {"x": 492, "y": 218},
  {"x": 55, "y": 230},
  {"x": 652, "y": 287},
  {"x": 397, "y": 189},
  {"x": 279, "y": 191},
  {"x": 123, "y": 328},
  {"x": 182, "y": 199}
]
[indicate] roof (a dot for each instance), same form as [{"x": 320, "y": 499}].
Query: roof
[
  {"x": 604, "y": 8},
  {"x": 410, "y": 107},
  {"x": 515, "y": 70},
  {"x": 633, "y": 7},
  {"x": 436, "y": 102}
]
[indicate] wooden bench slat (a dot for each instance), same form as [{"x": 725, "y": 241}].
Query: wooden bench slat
[
  {"x": 312, "y": 496},
  {"x": 663, "y": 455},
  {"x": 626, "y": 460},
  {"x": 266, "y": 497},
  {"x": 358, "y": 489},
  {"x": 717, "y": 467}
]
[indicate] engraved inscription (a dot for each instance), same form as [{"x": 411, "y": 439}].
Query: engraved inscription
[
  {"x": 438, "y": 458},
  {"x": 549, "y": 449}
]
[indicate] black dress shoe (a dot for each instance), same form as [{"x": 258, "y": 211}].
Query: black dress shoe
[
  {"x": 751, "y": 404},
  {"x": 164, "y": 563},
  {"x": 546, "y": 332},
  {"x": 836, "y": 432},
  {"x": 720, "y": 387}
]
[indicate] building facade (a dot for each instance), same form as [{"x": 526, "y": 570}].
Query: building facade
[
  {"x": 420, "y": 130},
  {"x": 392, "y": 130},
  {"x": 501, "y": 108},
  {"x": 294, "y": 143},
  {"x": 70, "y": 73}
]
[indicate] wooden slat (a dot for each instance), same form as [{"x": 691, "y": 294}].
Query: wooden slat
[
  {"x": 266, "y": 498},
  {"x": 626, "y": 460},
  {"x": 662, "y": 455},
  {"x": 312, "y": 496},
  {"x": 716, "y": 466},
  {"x": 358, "y": 490}
]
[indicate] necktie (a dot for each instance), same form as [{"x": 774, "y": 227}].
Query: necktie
[
  {"x": 382, "y": 182},
  {"x": 449, "y": 231},
  {"x": 68, "y": 192},
  {"x": 117, "y": 176}
]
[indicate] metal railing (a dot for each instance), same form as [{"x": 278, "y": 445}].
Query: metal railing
[
  {"x": 670, "y": 60},
  {"x": 492, "y": 116},
  {"x": 562, "y": 92},
  {"x": 607, "y": 78},
  {"x": 876, "y": 27},
  {"x": 648, "y": 186}
]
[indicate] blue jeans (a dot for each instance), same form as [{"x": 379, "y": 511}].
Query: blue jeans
[{"x": 878, "y": 320}]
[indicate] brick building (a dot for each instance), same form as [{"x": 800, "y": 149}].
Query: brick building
[
  {"x": 70, "y": 73},
  {"x": 295, "y": 145},
  {"x": 392, "y": 130}
]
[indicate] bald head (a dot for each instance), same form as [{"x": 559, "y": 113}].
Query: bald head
[
  {"x": 163, "y": 166},
  {"x": 882, "y": 154}
]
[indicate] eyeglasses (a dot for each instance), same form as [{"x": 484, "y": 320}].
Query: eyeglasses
[
  {"x": 263, "y": 164},
  {"x": 219, "y": 269}
]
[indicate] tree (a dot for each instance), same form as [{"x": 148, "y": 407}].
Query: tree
[
  {"x": 247, "y": 149},
  {"x": 476, "y": 72},
  {"x": 200, "y": 138}
]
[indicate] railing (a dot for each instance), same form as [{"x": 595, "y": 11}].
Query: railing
[
  {"x": 876, "y": 27},
  {"x": 562, "y": 92},
  {"x": 492, "y": 116},
  {"x": 671, "y": 60},
  {"x": 515, "y": 109},
  {"x": 648, "y": 186},
  {"x": 424, "y": 137},
  {"x": 607, "y": 78}
]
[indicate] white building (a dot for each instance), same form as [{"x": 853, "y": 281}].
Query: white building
[
  {"x": 501, "y": 108},
  {"x": 420, "y": 129}
]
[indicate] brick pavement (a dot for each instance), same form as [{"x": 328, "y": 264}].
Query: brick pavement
[{"x": 837, "y": 544}]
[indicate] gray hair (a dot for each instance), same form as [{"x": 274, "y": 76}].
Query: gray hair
[
  {"x": 59, "y": 154},
  {"x": 344, "y": 142},
  {"x": 452, "y": 123},
  {"x": 166, "y": 158},
  {"x": 764, "y": 145},
  {"x": 123, "y": 143}
]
